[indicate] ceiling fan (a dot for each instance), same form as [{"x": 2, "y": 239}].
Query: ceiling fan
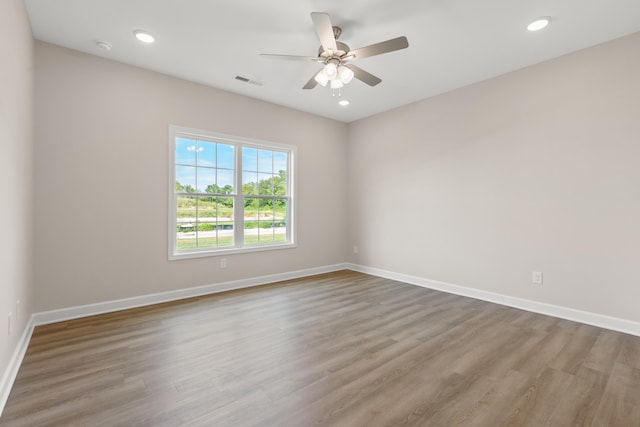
[{"x": 335, "y": 56}]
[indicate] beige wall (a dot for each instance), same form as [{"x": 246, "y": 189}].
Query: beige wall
[
  {"x": 536, "y": 170},
  {"x": 532, "y": 171},
  {"x": 101, "y": 180},
  {"x": 16, "y": 172}
]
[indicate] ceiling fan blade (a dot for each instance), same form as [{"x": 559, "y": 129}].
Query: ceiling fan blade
[
  {"x": 312, "y": 82},
  {"x": 363, "y": 76},
  {"x": 322, "y": 22},
  {"x": 292, "y": 57},
  {"x": 380, "y": 48}
]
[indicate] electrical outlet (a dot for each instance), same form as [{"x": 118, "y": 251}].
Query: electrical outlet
[
  {"x": 355, "y": 249},
  {"x": 536, "y": 277},
  {"x": 223, "y": 263}
]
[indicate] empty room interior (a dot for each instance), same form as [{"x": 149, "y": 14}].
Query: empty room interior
[{"x": 312, "y": 213}]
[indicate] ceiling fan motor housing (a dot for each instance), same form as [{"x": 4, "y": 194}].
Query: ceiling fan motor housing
[{"x": 343, "y": 49}]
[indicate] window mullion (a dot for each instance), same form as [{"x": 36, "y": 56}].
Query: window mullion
[
  {"x": 238, "y": 202},
  {"x": 288, "y": 192},
  {"x": 197, "y": 218}
]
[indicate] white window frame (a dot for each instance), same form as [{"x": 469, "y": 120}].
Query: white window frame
[{"x": 238, "y": 206}]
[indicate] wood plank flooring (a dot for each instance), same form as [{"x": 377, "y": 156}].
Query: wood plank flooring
[{"x": 340, "y": 349}]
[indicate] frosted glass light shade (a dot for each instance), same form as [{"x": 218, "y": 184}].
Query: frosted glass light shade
[
  {"x": 331, "y": 70},
  {"x": 336, "y": 84},
  {"x": 345, "y": 74},
  {"x": 322, "y": 78}
]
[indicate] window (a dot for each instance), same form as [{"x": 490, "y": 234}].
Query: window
[{"x": 228, "y": 194}]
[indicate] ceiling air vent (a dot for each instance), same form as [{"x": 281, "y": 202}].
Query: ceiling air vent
[{"x": 247, "y": 80}]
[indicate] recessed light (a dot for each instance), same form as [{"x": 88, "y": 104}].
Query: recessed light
[
  {"x": 144, "y": 36},
  {"x": 344, "y": 102},
  {"x": 539, "y": 24}
]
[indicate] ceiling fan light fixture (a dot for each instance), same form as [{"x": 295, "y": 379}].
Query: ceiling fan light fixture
[
  {"x": 330, "y": 70},
  {"x": 336, "y": 84},
  {"x": 322, "y": 78},
  {"x": 345, "y": 74}
]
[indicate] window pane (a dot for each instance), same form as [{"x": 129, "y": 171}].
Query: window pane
[
  {"x": 249, "y": 182},
  {"x": 250, "y": 209},
  {"x": 206, "y": 153},
  {"x": 266, "y": 210},
  {"x": 225, "y": 211},
  {"x": 207, "y": 236},
  {"x": 266, "y": 221},
  {"x": 225, "y": 156},
  {"x": 251, "y": 221},
  {"x": 186, "y": 209},
  {"x": 204, "y": 222},
  {"x": 225, "y": 221},
  {"x": 225, "y": 181},
  {"x": 280, "y": 220},
  {"x": 265, "y": 161},
  {"x": 225, "y": 237},
  {"x": 207, "y": 219},
  {"x": 215, "y": 225},
  {"x": 185, "y": 242},
  {"x": 185, "y": 151},
  {"x": 280, "y": 210},
  {"x": 279, "y": 162},
  {"x": 280, "y": 185},
  {"x": 249, "y": 159},
  {"x": 206, "y": 208},
  {"x": 265, "y": 184},
  {"x": 280, "y": 232},
  {"x": 185, "y": 179},
  {"x": 207, "y": 180}
]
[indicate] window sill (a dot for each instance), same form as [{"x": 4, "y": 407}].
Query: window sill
[{"x": 175, "y": 256}]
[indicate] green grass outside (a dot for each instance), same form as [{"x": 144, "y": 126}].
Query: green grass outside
[
  {"x": 226, "y": 241},
  {"x": 186, "y": 208}
]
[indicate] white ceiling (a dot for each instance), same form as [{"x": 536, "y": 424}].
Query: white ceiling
[{"x": 452, "y": 43}]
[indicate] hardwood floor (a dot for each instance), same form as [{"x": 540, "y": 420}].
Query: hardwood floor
[{"x": 340, "y": 349}]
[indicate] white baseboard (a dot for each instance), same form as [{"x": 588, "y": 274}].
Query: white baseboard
[
  {"x": 594, "y": 319},
  {"x": 10, "y": 374},
  {"x": 54, "y": 316}
]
